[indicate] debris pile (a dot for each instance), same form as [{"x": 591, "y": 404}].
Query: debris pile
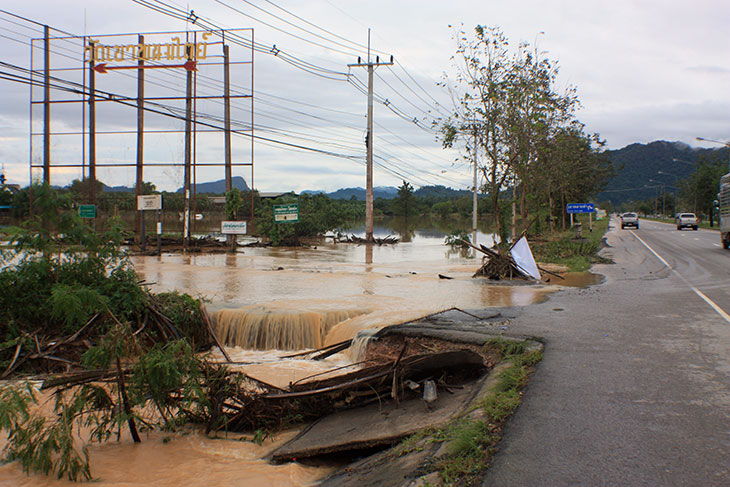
[
  {"x": 359, "y": 240},
  {"x": 498, "y": 264}
]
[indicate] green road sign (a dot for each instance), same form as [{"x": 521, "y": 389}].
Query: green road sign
[
  {"x": 87, "y": 211},
  {"x": 286, "y": 213}
]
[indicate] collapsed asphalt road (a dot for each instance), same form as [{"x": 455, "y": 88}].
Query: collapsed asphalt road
[{"x": 634, "y": 387}]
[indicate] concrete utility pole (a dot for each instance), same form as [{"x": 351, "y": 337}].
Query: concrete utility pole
[
  {"x": 141, "y": 233},
  {"x": 369, "y": 140},
  {"x": 474, "y": 205}
]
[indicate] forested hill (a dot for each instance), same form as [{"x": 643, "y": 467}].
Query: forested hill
[{"x": 637, "y": 168}]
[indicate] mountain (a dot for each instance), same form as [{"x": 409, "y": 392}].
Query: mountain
[
  {"x": 637, "y": 168},
  {"x": 440, "y": 191},
  {"x": 386, "y": 192},
  {"x": 218, "y": 187}
]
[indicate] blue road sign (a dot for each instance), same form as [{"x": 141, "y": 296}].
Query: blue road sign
[{"x": 580, "y": 208}]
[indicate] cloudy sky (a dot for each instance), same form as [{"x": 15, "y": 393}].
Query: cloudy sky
[{"x": 645, "y": 70}]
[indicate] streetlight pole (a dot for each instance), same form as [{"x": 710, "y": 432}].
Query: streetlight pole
[{"x": 726, "y": 144}]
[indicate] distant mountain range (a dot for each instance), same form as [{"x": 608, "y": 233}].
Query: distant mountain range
[
  {"x": 213, "y": 187},
  {"x": 218, "y": 187},
  {"x": 638, "y": 169}
]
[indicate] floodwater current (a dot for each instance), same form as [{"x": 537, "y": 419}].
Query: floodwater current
[{"x": 311, "y": 296}]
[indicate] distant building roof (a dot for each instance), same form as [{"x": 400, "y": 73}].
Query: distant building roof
[{"x": 273, "y": 194}]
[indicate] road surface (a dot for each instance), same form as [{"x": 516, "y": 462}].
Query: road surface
[{"x": 634, "y": 387}]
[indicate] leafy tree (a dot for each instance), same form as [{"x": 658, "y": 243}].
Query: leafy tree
[
  {"x": 699, "y": 190},
  {"x": 403, "y": 204},
  {"x": 233, "y": 203},
  {"x": 509, "y": 111},
  {"x": 479, "y": 117}
]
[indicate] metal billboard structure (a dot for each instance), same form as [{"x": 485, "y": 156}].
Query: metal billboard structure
[{"x": 156, "y": 103}]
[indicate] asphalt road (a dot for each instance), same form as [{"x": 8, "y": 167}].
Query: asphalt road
[{"x": 634, "y": 387}]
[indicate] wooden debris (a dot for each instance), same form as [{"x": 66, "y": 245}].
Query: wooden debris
[
  {"x": 359, "y": 240},
  {"x": 497, "y": 264}
]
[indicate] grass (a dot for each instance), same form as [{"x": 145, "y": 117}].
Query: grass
[
  {"x": 471, "y": 440},
  {"x": 576, "y": 254}
]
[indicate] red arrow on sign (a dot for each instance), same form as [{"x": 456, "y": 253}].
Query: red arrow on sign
[{"x": 190, "y": 66}]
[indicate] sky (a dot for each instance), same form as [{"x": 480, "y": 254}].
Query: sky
[{"x": 644, "y": 70}]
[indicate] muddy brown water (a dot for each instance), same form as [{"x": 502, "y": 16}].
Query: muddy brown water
[{"x": 293, "y": 298}]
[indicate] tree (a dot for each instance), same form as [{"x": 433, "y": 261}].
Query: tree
[
  {"x": 479, "y": 117},
  {"x": 404, "y": 202},
  {"x": 508, "y": 109}
]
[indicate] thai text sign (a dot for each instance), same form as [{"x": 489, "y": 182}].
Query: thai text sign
[
  {"x": 97, "y": 52},
  {"x": 233, "y": 228},
  {"x": 87, "y": 211},
  {"x": 286, "y": 213},
  {"x": 580, "y": 208},
  {"x": 149, "y": 202}
]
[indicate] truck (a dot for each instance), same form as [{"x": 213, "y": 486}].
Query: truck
[{"x": 723, "y": 198}]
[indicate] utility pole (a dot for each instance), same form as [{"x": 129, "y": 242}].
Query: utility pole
[
  {"x": 474, "y": 205},
  {"x": 369, "y": 140},
  {"x": 46, "y": 106},
  {"x": 188, "y": 150},
  {"x": 141, "y": 233}
]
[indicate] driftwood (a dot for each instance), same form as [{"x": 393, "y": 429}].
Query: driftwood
[
  {"x": 359, "y": 240},
  {"x": 322, "y": 353},
  {"x": 497, "y": 264}
]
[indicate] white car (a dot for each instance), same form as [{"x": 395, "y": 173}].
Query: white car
[
  {"x": 630, "y": 219},
  {"x": 686, "y": 220}
]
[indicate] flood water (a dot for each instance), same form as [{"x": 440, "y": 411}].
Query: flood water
[{"x": 313, "y": 296}]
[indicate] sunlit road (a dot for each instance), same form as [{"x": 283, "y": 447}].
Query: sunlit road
[{"x": 634, "y": 388}]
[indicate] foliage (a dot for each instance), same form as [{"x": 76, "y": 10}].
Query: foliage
[
  {"x": 471, "y": 440},
  {"x": 41, "y": 445},
  {"x": 699, "y": 190},
  {"x": 318, "y": 214},
  {"x": 578, "y": 254},
  {"x": 59, "y": 274},
  {"x": 403, "y": 204},
  {"x": 458, "y": 239},
  {"x": 170, "y": 385},
  {"x": 233, "y": 203},
  {"x": 519, "y": 131}
]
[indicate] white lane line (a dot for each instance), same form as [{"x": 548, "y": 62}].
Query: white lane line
[
  {"x": 699, "y": 293},
  {"x": 716, "y": 245}
]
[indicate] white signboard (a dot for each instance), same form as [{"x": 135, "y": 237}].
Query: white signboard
[
  {"x": 149, "y": 202},
  {"x": 233, "y": 228},
  {"x": 522, "y": 255}
]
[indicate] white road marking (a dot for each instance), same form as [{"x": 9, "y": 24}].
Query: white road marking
[
  {"x": 699, "y": 293},
  {"x": 716, "y": 245}
]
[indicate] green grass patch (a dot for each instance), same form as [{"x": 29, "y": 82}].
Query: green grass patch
[
  {"x": 565, "y": 249},
  {"x": 472, "y": 440}
]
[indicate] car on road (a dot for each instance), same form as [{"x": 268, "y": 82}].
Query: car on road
[
  {"x": 629, "y": 219},
  {"x": 686, "y": 220}
]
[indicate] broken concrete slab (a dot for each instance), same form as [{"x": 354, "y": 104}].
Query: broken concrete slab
[{"x": 376, "y": 425}]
